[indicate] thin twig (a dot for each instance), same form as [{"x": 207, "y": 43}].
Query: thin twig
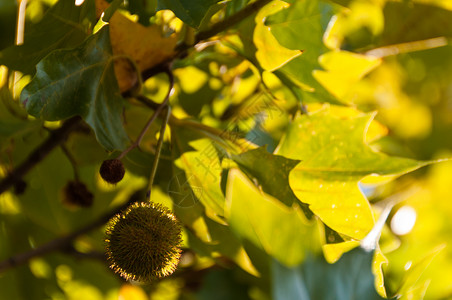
[
  {"x": 153, "y": 117},
  {"x": 158, "y": 150},
  {"x": 55, "y": 139},
  {"x": 65, "y": 242},
  {"x": 72, "y": 160},
  {"x": 207, "y": 34},
  {"x": 231, "y": 21}
]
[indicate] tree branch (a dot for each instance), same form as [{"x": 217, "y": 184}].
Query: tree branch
[
  {"x": 58, "y": 135},
  {"x": 65, "y": 242},
  {"x": 231, "y": 21},
  {"x": 55, "y": 139},
  {"x": 206, "y": 34}
]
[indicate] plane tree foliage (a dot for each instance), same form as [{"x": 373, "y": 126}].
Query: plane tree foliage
[{"x": 302, "y": 145}]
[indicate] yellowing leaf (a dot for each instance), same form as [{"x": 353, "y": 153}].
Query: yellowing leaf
[
  {"x": 343, "y": 70},
  {"x": 145, "y": 45},
  {"x": 201, "y": 163},
  {"x": 270, "y": 54},
  {"x": 334, "y": 158},
  {"x": 282, "y": 232},
  {"x": 361, "y": 14},
  {"x": 333, "y": 252}
]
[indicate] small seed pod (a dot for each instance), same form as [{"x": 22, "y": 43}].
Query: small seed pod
[
  {"x": 112, "y": 170},
  {"x": 76, "y": 194},
  {"x": 143, "y": 242}
]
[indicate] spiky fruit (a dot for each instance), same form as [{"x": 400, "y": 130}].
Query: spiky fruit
[
  {"x": 143, "y": 242},
  {"x": 112, "y": 170},
  {"x": 76, "y": 194}
]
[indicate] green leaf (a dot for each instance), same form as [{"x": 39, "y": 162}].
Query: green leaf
[
  {"x": 282, "y": 232},
  {"x": 272, "y": 172},
  {"x": 334, "y": 158},
  {"x": 350, "y": 278},
  {"x": 63, "y": 26},
  {"x": 301, "y": 27},
  {"x": 80, "y": 81},
  {"x": 198, "y": 157},
  {"x": 190, "y": 12},
  {"x": 270, "y": 54},
  {"x": 410, "y": 285}
]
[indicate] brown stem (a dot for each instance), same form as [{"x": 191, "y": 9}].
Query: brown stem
[
  {"x": 65, "y": 242},
  {"x": 153, "y": 117},
  {"x": 55, "y": 139},
  {"x": 231, "y": 21},
  {"x": 207, "y": 34},
  {"x": 158, "y": 150}
]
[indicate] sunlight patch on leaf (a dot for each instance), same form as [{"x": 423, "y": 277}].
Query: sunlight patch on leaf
[
  {"x": 343, "y": 70},
  {"x": 258, "y": 218},
  {"x": 201, "y": 163},
  {"x": 270, "y": 54},
  {"x": 334, "y": 158}
]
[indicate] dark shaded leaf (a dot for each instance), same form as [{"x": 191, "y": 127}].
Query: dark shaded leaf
[
  {"x": 350, "y": 278},
  {"x": 190, "y": 12},
  {"x": 272, "y": 172},
  {"x": 63, "y": 26},
  {"x": 80, "y": 81}
]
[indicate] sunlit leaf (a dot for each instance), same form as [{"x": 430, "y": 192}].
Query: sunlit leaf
[
  {"x": 144, "y": 45},
  {"x": 201, "y": 163},
  {"x": 262, "y": 220},
  {"x": 81, "y": 82},
  {"x": 414, "y": 272},
  {"x": 301, "y": 27},
  {"x": 343, "y": 70},
  {"x": 334, "y": 158},
  {"x": 270, "y": 54}
]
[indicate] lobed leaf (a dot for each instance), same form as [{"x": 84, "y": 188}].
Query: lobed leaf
[
  {"x": 334, "y": 158},
  {"x": 272, "y": 172},
  {"x": 80, "y": 81},
  {"x": 301, "y": 26},
  {"x": 282, "y": 232}
]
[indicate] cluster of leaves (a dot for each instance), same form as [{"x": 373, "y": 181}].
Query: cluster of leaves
[{"x": 274, "y": 162}]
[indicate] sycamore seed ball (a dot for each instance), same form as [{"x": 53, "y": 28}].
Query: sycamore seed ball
[
  {"x": 112, "y": 170},
  {"x": 143, "y": 242}
]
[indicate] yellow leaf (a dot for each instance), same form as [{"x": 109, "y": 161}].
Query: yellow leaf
[
  {"x": 270, "y": 54},
  {"x": 343, "y": 70},
  {"x": 144, "y": 45}
]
